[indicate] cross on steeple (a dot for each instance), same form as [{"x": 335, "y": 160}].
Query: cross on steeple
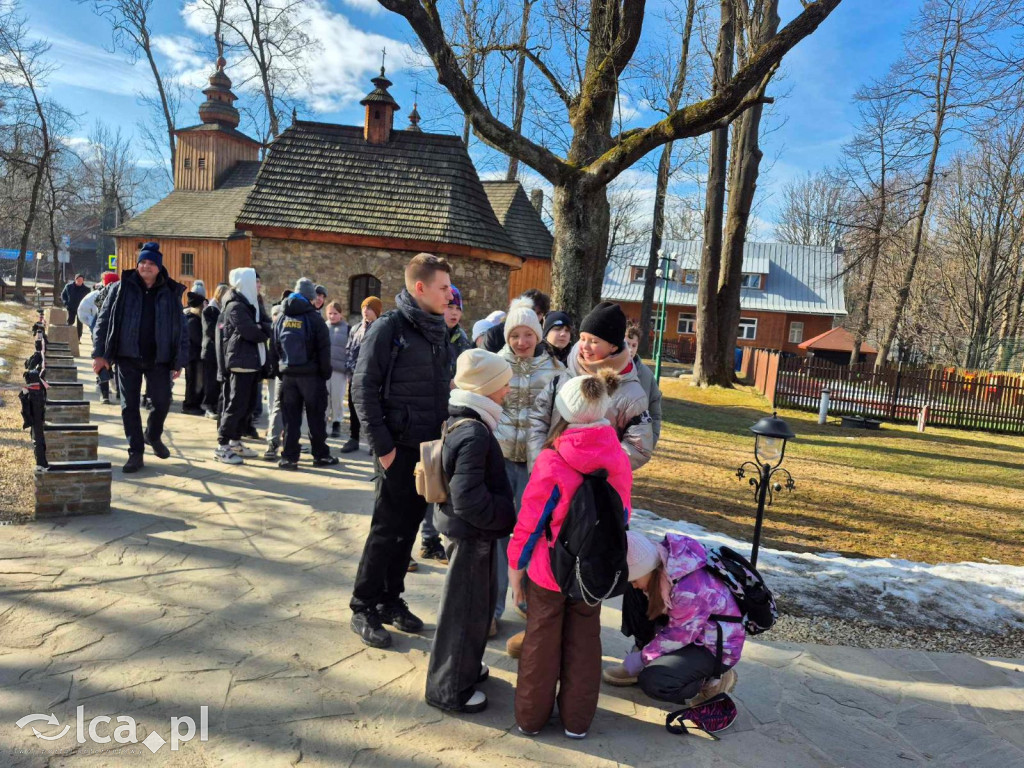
[{"x": 383, "y": 56}]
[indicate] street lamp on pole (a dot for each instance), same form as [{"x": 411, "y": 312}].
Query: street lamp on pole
[
  {"x": 771, "y": 435},
  {"x": 663, "y": 273}
]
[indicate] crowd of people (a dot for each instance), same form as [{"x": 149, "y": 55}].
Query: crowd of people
[{"x": 531, "y": 408}]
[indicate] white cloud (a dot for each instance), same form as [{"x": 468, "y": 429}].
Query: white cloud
[{"x": 83, "y": 65}]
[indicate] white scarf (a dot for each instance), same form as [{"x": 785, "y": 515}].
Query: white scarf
[{"x": 489, "y": 410}]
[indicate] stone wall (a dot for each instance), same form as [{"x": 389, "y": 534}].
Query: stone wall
[
  {"x": 69, "y": 489},
  {"x": 483, "y": 284},
  {"x": 67, "y": 412},
  {"x": 61, "y": 373},
  {"x": 65, "y": 391},
  {"x": 72, "y": 442}
]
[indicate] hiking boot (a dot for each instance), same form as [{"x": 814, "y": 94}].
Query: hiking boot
[
  {"x": 412, "y": 567},
  {"x": 336, "y": 429},
  {"x": 225, "y": 455},
  {"x": 514, "y": 646},
  {"x": 350, "y": 446},
  {"x": 159, "y": 449},
  {"x": 618, "y": 676},
  {"x": 326, "y": 461},
  {"x": 271, "y": 453},
  {"x": 285, "y": 464},
  {"x": 398, "y": 615},
  {"x": 368, "y": 626},
  {"x": 134, "y": 463},
  {"x": 714, "y": 686},
  {"x": 243, "y": 450},
  {"x": 433, "y": 550}
]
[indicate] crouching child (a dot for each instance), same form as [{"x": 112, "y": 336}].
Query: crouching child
[{"x": 479, "y": 511}]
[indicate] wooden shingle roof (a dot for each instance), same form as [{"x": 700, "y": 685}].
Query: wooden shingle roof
[
  {"x": 520, "y": 219},
  {"x": 417, "y": 187},
  {"x": 203, "y": 215}
]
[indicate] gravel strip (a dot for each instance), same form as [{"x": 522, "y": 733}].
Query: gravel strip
[{"x": 860, "y": 634}]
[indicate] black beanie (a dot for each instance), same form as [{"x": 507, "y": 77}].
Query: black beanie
[
  {"x": 606, "y": 321},
  {"x": 555, "y": 320},
  {"x": 195, "y": 300}
]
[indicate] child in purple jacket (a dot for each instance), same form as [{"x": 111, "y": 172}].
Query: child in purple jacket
[{"x": 678, "y": 664}]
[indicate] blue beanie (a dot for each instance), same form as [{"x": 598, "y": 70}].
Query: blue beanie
[
  {"x": 456, "y": 298},
  {"x": 151, "y": 251}
]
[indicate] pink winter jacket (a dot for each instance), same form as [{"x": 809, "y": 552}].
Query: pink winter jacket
[{"x": 556, "y": 476}]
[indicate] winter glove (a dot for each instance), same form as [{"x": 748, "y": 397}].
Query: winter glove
[{"x": 633, "y": 663}]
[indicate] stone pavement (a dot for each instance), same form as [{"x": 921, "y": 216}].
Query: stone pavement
[{"x": 227, "y": 587}]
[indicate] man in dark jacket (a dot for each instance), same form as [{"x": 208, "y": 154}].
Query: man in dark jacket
[
  {"x": 242, "y": 335},
  {"x": 480, "y": 510},
  {"x": 141, "y": 328},
  {"x": 302, "y": 349},
  {"x": 72, "y": 296},
  {"x": 400, "y": 389}
]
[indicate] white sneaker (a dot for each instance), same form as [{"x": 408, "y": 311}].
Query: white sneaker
[
  {"x": 226, "y": 455},
  {"x": 572, "y": 735},
  {"x": 476, "y": 703},
  {"x": 243, "y": 450}
]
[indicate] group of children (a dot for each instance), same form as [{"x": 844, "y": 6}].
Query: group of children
[{"x": 526, "y": 425}]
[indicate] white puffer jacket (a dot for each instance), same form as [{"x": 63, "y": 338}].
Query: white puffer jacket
[{"x": 523, "y": 427}]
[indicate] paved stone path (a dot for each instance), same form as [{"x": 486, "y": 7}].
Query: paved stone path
[{"x": 227, "y": 587}]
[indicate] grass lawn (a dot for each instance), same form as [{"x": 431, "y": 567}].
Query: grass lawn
[
  {"x": 17, "y": 462},
  {"x": 945, "y": 495}
]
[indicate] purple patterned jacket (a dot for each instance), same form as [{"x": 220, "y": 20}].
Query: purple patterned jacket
[{"x": 696, "y": 595}]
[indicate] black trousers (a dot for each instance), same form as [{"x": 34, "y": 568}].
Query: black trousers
[
  {"x": 353, "y": 417},
  {"x": 73, "y": 320},
  {"x": 677, "y": 677},
  {"x": 130, "y": 373},
  {"x": 463, "y": 620},
  {"x": 193, "y": 385},
  {"x": 238, "y": 392},
  {"x": 307, "y": 393},
  {"x": 397, "y": 513},
  {"x": 211, "y": 386}
]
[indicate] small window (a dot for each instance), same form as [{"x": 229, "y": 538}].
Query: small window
[
  {"x": 188, "y": 163},
  {"x": 796, "y": 332},
  {"x": 748, "y": 328},
  {"x": 376, "y": 114},
  {"x": 359, "y": 287},
  {"x": 639, "y": 274},
  {"x": 750, "y": 281},
  {"x": 687, "y": 324},
  {"x": 657, "y": 318},
  {"x": 691, "y": 277},
  {"x": 202, "y": 163},
  {"x": 188, "y": 264}
]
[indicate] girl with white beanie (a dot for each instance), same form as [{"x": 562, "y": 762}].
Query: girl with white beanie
[
  {"x": 523, "y": 425},
  {"x": 562, "y": 645}
]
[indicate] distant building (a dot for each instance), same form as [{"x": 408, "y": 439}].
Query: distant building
[
  {"x": 521, "y": 218},
  {"x": 790, "y": 292},
  {"x": 836, "y": 346}
]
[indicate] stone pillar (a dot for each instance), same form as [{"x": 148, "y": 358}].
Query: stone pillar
[
  {"x": 67, "y": 412},
  {"x": 66, "y": 334},
  {"x": 73, "y": 488},
  {"x": 64, "y": 391},
  {"x": 61, "y": 373},
  {"x": 71, "y": 442}
]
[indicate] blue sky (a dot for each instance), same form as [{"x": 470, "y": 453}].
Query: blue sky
[{"x": 812, "y": 121}]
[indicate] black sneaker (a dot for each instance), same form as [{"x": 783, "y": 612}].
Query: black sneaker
[
  {"x": 325, "y": 461},
  {"x": 432, "y": 549},
  {"x": 190, "y": 411},
  {"x": 336, "y": 429},
  {"x": 271, "y": 453},
  {"x": 350, "y": 447},
  {"x": 398, "y": 615},
  {"x": 368, "y": 626},
  {"x": 134, "y": 463},
  {"x": 285, "y": 464},
  {"x": 159, "y": 449},
  {"x": 105, "y": 401}
]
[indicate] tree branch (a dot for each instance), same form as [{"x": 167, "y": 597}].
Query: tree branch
[{"x": 567, "y": 98}]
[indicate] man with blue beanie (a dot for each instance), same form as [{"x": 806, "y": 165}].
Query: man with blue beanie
[{"x": 141, "y": 328}]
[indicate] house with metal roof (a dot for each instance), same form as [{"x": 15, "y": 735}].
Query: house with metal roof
[
  {"x": 789, "y": 292},
  {"x": 521, "y": 218}
]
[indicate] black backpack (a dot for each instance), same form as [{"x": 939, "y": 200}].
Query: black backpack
[
  {"x": 294, "y": 338},
  {"x": 755, "y": 600},
  {"x": 588, "y": 559}
]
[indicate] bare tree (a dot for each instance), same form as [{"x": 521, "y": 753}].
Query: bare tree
[
  {"x": 598, "y": 42},
  {"x": 811, "y": 211}
]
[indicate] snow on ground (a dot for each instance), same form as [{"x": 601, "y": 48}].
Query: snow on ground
[
  {"x": 8, "y": 323},
  {"x": 983, "y": 597}
]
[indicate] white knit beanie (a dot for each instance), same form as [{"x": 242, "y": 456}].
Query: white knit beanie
[
  {"x": 480, "y": 371},
  {"x": 641, "y": 555},
  {"x": 521, "y": 313},
  {"x": 586, "y": 399},
  {"x": 480, "y": 327}
]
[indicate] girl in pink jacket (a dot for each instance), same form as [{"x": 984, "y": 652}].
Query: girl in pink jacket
[{"x": 562, "y": 647}]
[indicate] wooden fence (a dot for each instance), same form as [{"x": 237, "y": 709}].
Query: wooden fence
[{"x": 991, "y": 402}]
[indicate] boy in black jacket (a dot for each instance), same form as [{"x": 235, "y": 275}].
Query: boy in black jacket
[
  {"x": 302, "y": 350},
  {"x": 480, "y": 510}
]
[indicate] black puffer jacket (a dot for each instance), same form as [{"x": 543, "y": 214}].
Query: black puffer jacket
[
  {"x": 239, "y": 336},
  {"x": 414, "y": 408},
  {"x": 72, "y": 296},
  {"x": 318, "y": 339},
  {"x": 211, "y": 313},
  {"x": 116, "y": 333},
  {"x": 495, "y": 338},
  {"x": 480, "y": 502},
  {"x": 194, "y": 325}
]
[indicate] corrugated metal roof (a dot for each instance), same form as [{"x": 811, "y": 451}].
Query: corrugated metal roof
[{"x": 800, "y": 278}]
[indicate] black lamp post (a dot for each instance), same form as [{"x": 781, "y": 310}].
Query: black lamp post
[{"x": 772, "y": 433}]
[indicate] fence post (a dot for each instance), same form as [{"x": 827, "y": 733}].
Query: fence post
[
  {"x": 896, "y": 391},
  {"x": 922, "y": 418},
  {"x": 823, "y": 407}
]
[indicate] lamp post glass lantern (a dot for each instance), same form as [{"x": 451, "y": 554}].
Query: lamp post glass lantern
[{"x": 770, "y": 437}]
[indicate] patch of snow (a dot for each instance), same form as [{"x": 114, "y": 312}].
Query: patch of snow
[
  {"x": 987, "y": 597},
  {"x": 8, "y": 322}
]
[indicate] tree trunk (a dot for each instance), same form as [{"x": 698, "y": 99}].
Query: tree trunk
[
  {"x": 653, "y": 260},
  {"x": 164, "y": 104},
  {"x": 19, "y": 288},
  {"x": 708, "y": 359},
  {"x": 581, "y": 215},
  {"x": 860, "y": 334}
]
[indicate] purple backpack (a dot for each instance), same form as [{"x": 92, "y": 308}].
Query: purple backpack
[{"x": 714, "y": 715}]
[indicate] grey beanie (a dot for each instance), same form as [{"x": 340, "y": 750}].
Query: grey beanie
[
  {"x": 321, "y": 291},
  {"x": 306, "y": 288}
]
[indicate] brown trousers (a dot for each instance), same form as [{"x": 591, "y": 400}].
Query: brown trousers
[{"x": 562, "y": 649}]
